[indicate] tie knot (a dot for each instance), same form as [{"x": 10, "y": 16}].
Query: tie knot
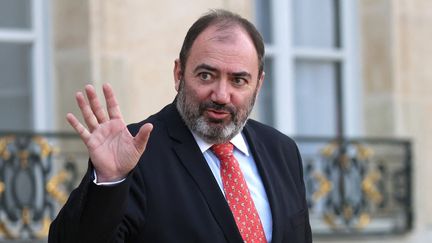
[{"x": 223, "y": 150}]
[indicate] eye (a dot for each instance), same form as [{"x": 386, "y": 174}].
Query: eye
[
  {"x": 239, "y": 81},
  {"x": 205, "y": 76}
]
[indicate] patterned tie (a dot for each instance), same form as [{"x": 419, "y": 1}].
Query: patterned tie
[{"x": 238, "y": 196}]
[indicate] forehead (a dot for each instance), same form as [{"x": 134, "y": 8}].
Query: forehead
[{"x": 224, "y": 46}]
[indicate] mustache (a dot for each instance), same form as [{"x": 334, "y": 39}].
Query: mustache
[{"x": 218, "y": 107}]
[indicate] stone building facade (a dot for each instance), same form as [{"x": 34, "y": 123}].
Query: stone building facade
[{"x": 132, "y": 44}]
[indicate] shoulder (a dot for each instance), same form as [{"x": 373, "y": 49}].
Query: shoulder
[
  {"x": 274, "y": 147},
  {"x": 267, "y": 133}
]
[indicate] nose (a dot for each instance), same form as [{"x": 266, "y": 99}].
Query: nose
[{"x": 221, "y": 93}]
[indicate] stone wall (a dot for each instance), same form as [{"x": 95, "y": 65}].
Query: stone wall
[
  {"x": 397, "y": 86},
  {"x": 377, "y": 66},
  {"x": 71, "y": 55},
  {"x": 413, "y": 96}
]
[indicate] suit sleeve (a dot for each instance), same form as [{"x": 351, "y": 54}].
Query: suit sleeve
[{"x": 92, "y": 214}]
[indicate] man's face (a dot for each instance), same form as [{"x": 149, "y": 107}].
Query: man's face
[{"x": 217, "y": 89}]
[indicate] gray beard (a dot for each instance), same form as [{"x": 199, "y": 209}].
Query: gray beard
[{"x": 214, "y": 132}]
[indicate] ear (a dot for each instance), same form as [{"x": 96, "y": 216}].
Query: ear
[
  {"x": 178, "y": 73},
  {"x": 260, "y": 81}
]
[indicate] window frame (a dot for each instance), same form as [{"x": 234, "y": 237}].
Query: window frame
[
  {"x": 41, "y": 86},
  {"x": 284, "y": 54}
]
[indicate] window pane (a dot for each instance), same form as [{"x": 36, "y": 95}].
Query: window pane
[
  {"x": 315, "y": 98},
  {"x": 264, "y": 105},
  {"x": 15, "y": 14},
  {"x": 15, "y": 69},
  {"x": 262, "y": 11},
  {"x": 16, "y": 113},
  {"x": 315, "y": 23}
]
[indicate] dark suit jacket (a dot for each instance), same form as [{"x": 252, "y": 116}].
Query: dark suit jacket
[{"x": 172, "y": 196}]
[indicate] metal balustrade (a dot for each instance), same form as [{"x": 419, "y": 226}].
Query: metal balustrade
[
  {"x": 358, "y": 187},
  {"x": 354, "y": 187},
  {"x": 37, "y": 173}
]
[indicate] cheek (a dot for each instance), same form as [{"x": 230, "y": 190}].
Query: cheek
[
  {"x": 199, "y": 94},
  {"x": 241, "y": 100}
]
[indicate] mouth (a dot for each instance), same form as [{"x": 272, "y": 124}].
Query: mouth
[{"x": 217, "y": 115}]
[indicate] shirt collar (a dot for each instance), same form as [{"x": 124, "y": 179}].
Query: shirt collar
[{"x": 238, "y": 141}]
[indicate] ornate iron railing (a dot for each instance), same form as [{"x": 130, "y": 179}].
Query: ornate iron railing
[
  {"x": 37, "y": 173},
  {"x": 354, "y": 187},
  {"x": 358, "y": 186}
]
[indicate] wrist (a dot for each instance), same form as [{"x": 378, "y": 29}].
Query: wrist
[
  {"x": 95, "y": 181},
  {"x": 103, "y": 179}
]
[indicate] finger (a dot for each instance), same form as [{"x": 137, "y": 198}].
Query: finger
[
  {"x": 95, "y": 104},
  {"x": 78, "y": 127},
  {"x": 142, "y": 137},
  {"x": 111, "y": 102},
  {"x": 87, "y": 113}
]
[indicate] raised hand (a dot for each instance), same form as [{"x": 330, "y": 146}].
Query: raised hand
[{"x": 114, "y": 152}]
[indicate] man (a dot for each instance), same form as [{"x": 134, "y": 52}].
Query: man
[{"x": 205, "y": 173}]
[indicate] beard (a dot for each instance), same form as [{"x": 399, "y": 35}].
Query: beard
[{"x": 214, "y": 131}]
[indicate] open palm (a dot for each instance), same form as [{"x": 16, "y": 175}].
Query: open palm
[{"x": 114, "y": 152}]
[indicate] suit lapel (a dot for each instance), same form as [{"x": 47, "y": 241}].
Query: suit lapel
[
  {"x": 192, "y": 159},
  {"x": 266, "y": 171}
]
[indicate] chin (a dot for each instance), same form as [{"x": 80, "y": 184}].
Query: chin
[{"x": 218, "y": 122}]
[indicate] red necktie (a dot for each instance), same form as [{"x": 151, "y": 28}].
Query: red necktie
[{"x": 238, "y": 196}]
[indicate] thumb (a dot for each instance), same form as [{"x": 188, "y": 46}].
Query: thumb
[{"x": 142, "y": 137}]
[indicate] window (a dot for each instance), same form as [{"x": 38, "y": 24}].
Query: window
[
  {"x": 25, "y": 95},
  {"x": 311, "y": 54}
]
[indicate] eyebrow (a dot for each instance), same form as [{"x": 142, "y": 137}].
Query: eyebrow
[
  {"x": 206, "y": 67},
  {"x": 213, "y": 69},
  {"x": 241, "y": 74}
]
